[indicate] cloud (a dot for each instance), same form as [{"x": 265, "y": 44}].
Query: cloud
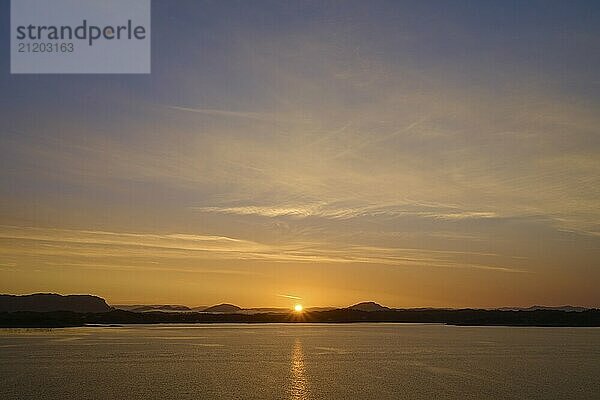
[
  {"x": 106, "y": 245},
  {"x": 334, "y": 211},
  {"x": 227, "y": 113},
  {"x": 287, "y": 296},
  {"x": 147, "y": 268},
  {"x": 466, "y": 215}
]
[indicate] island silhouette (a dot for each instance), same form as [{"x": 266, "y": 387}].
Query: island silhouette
[
  {"x": 55, "y": 310},
  {"x": 47, "y": 302}
]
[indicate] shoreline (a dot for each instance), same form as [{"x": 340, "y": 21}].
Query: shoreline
[{"x": 465, "y": 317}]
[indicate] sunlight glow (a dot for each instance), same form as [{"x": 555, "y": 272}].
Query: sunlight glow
[{"x": 298, "y": 308}]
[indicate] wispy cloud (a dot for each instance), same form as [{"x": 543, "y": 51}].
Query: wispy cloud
[
  {"x": 82, "y": 243},
  {"x": 335, "y": 211},
  {"x": 465, "y": 215},
  {"x": 146, "y": 267},
  {"x": 259, "y": 116},
  {"x": 288, "y": 296}
]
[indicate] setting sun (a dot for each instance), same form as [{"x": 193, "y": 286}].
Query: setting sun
[{"x": 298, "y": 308}]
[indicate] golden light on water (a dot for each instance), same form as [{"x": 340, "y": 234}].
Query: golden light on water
[
  {"x": 299, "y": 383},
  {"x": 298, "y": 308}
]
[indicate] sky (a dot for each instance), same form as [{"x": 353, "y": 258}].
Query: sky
[{"x": 439, "y": 153}]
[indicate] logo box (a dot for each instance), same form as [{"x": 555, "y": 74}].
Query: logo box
[{"x": 80, "y": 36}]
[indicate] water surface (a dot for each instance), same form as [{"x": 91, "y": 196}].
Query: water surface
[{"x": 300, "y": 361}]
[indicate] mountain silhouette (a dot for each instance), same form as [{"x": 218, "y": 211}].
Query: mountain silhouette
[
  {"x": 368, "y": 306},
  {"x": 152, "y": 307},
  {"x": 551, "y": 308},
  {"x": 223, "y": 308},
  {"x": 46, "y": 302},
  {"x": 53, "y": 310}
]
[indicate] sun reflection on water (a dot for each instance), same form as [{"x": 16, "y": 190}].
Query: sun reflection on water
[{"x": 299, "y": 386}]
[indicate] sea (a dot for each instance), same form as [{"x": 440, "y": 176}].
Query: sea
[{"x": 300, "y": 361}]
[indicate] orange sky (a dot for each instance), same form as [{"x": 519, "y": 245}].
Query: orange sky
[{"x": 337, "y": 154}]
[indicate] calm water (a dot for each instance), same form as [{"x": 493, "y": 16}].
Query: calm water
[{"x": 359, "y": 361}]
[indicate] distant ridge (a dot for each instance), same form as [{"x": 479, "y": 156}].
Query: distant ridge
[
  {"x": 467, "y": 317},
  {"x": 51, "y": 302},
  {"x": 552, "y": 308},
  {"x": 368, "y": 306},
  {"x": 220, "y": 308},
  {"x": 46, "y": 302},
  {"x": 223, "y": 308},
  {"x": 152, "y": 307}
]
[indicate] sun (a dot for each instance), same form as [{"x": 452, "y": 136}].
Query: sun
[{"x": 298, "y": 308}]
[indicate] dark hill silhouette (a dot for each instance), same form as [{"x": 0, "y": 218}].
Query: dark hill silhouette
[
  {"x": 152, "y": 307},
  {"x": 551, "y": 308},
  {"x": 368, "y": 306},
  {"x": 258, "y": 310},
  {"x": 223, "y": 308},
  {"x": 53, "y": 310},
  {"x": 344, "y": 315},
  {"x": 45, "y": 302}
]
